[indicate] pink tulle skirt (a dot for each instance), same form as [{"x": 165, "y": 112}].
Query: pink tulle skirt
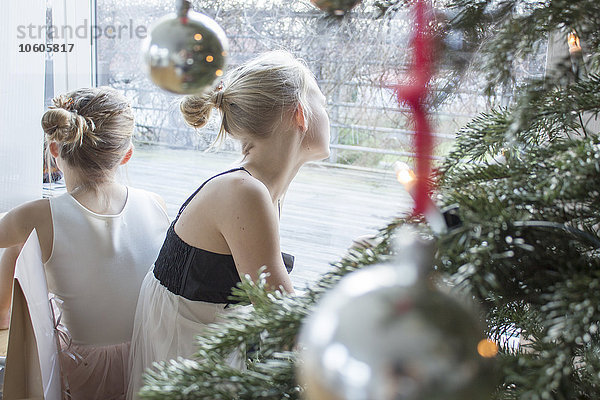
[
  {"x": 165, "y": 328},
  {"x": 95, "y": 372}
]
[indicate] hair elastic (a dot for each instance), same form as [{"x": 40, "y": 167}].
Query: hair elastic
[
  {"x": 69, "y": 104},
  {"x": 219, "y": 99}
]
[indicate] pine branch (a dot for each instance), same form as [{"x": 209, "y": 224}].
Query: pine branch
[
  {"x": 528, "y": 250},
  {"x": 271, "y": 325},
  {"x": 510, "y": 30}
]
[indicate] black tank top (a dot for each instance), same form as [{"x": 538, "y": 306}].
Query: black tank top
[{"x": 195, "y": 273}]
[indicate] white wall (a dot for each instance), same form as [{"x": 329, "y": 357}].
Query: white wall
[
  {"x": 21, "y": 105},
  {"x": 22, "y": 78}
]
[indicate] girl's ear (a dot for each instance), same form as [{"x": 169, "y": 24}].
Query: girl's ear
[
  {"x": 300, "y": 119},
  {"x": 127, "y": 155},
  {"x": 53, "y": 147}
]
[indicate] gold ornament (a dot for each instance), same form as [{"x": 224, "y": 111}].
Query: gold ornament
[{"x": 185, "y": 52}]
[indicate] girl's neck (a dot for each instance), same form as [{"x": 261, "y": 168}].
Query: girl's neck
[
  {"x": 107, "y": 197},
  {"x": 75, "y": 185},
  {"x": 275, "y": 165},
  {"x": 276, "y": 180}
]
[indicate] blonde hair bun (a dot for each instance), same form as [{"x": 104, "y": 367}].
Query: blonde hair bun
[
  {"x": 64, "y": 126},
  {"x": 196, "y": 109}
]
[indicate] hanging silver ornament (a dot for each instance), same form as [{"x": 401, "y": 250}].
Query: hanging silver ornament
[
  {"x": 185, "y": 52},
  {"x": 335, "y": 7},
  {"x": 386, "y": 332}
]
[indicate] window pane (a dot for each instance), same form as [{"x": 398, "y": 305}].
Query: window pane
[{"x": 355, "y": 60}]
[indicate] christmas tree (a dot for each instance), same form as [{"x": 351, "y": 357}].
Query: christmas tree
[{"x": 525, "y": 180}]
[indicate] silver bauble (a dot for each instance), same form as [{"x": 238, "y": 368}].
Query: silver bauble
[
  {"x": 386, "y": 332},
  {"x": 185, "y": 52}
]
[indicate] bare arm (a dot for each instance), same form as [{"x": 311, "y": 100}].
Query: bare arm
[
  {"x": 15, "y": 228},
  {"x": 8, "y": 261},
  {"x": 17, "y": 224},
  {"x": 251, "y": 230}
]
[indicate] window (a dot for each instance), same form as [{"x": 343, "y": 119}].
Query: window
[{"x": 330, "y": 203}]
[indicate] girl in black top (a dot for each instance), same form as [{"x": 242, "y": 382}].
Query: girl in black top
[{"x": 230, "y": 226}]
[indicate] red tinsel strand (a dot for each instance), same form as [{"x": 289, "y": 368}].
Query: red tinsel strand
[
  {"x": 423, "y": 143},
  {"x": 414, "y": 94}
]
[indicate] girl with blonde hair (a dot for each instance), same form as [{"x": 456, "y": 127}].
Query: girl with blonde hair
[
  {"x": 97, "y": 240},
  {"x": 229, "y": 227}
]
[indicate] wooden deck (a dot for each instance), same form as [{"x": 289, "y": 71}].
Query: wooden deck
[{"x": 325, "y": 207}]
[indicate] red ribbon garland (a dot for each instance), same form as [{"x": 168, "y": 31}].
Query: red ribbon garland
[{"x": 414, "y": 94}]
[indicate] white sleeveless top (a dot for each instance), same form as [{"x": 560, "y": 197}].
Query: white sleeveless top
[{"x": 98, "y": 263}]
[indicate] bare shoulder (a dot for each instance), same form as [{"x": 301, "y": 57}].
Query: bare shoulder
[
  {"x": 238, "y": 189},
  {"x": 34, "y": 214},
  {"x": 247, "y": 189},
  {"x": 237, "y": 198},
  {"x": 18, "y": 223},
  {"x": 32, "y": 210}
]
